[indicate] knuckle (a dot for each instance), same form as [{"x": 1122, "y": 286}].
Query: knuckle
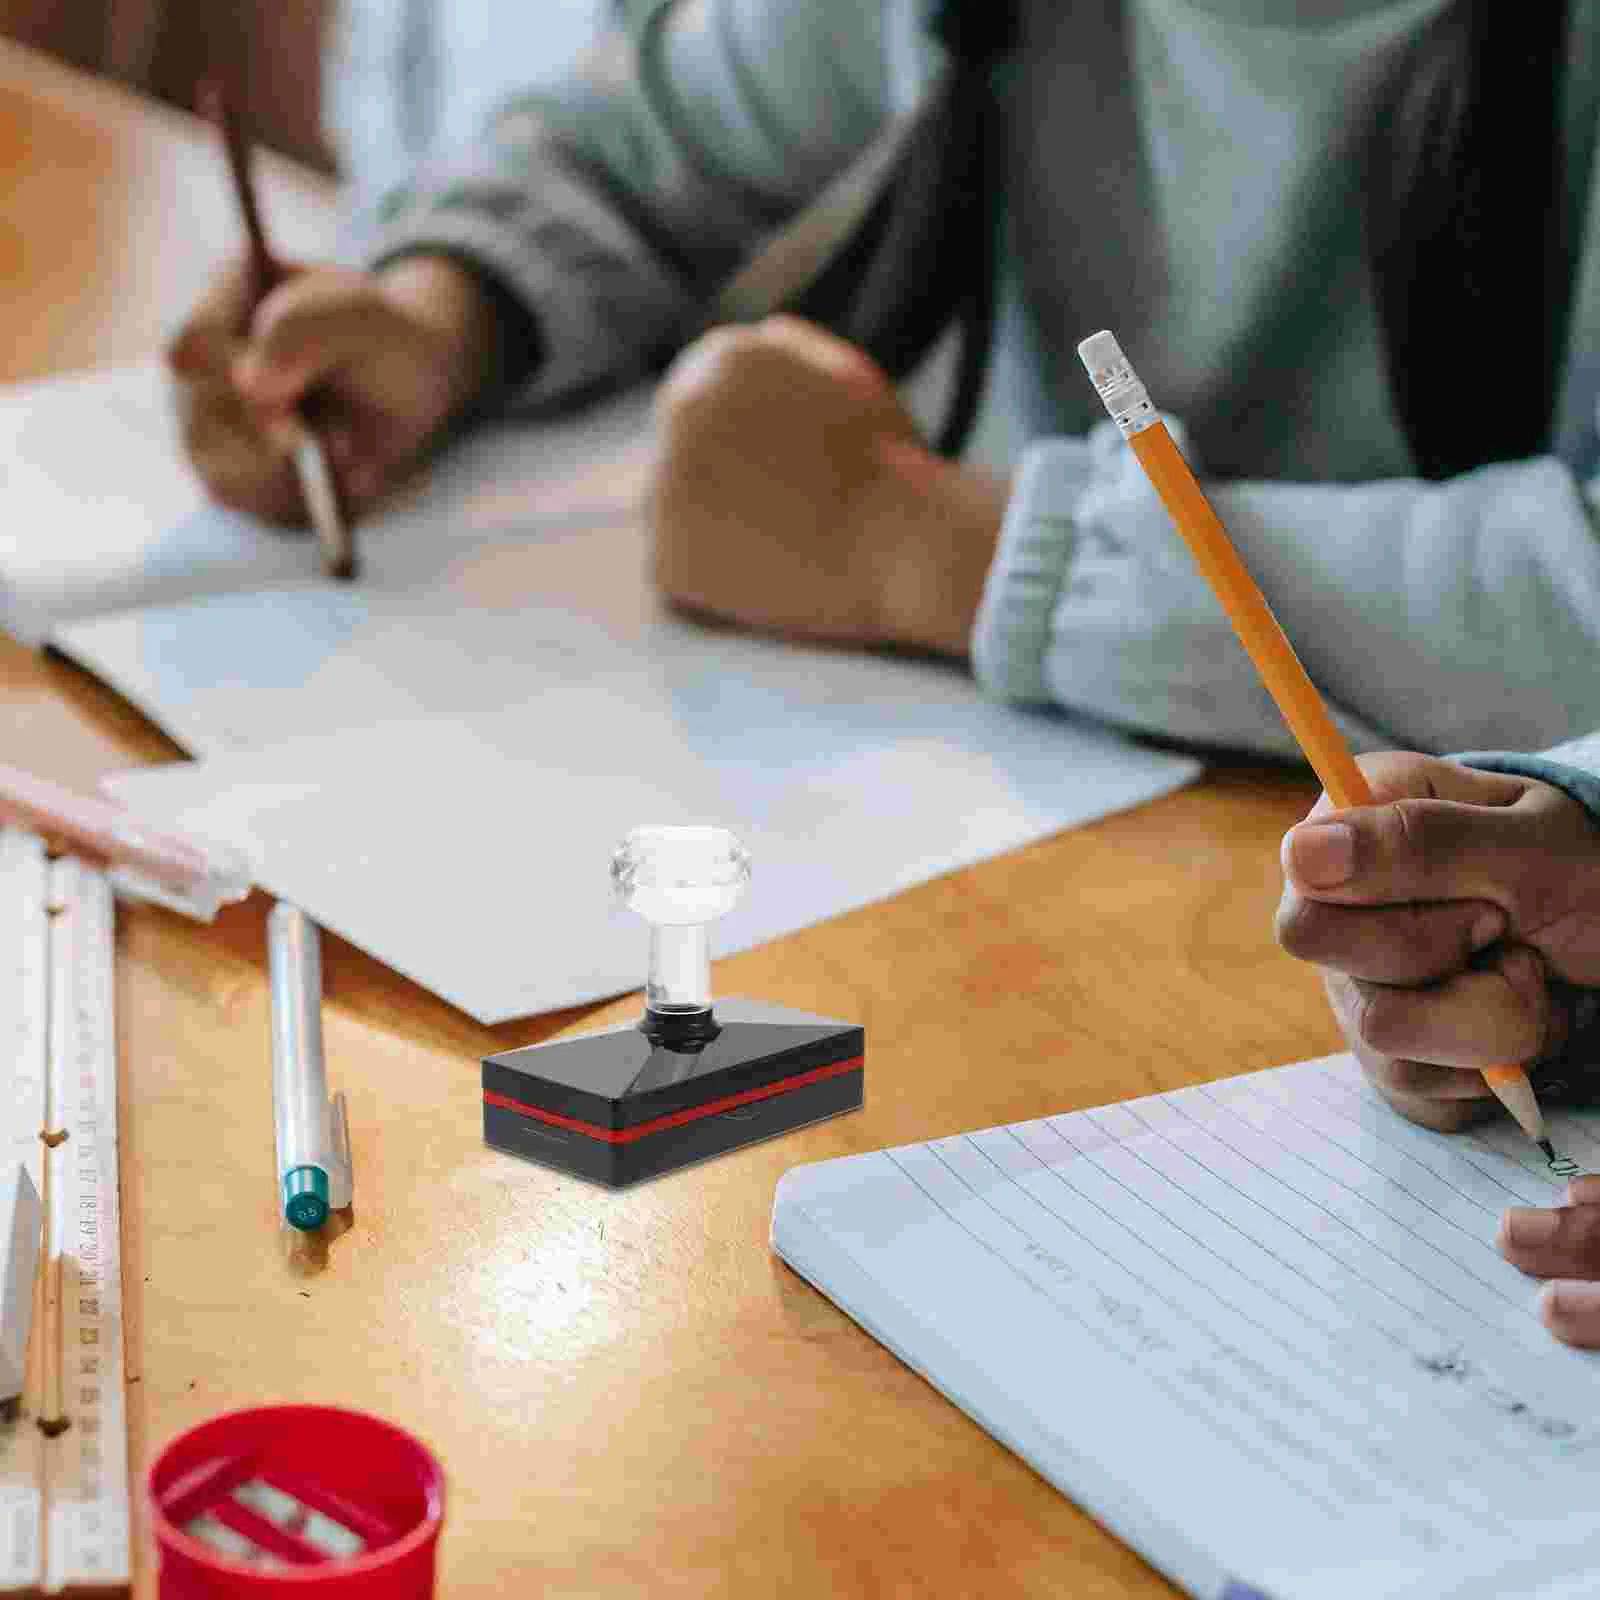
[
  {"x": 701, "y": 369},
  {"x": 1580, "y": 1233},
  {"x": 305, "y": 307},
  {"x": 1443, "y": 1116},
  {"x": 793, "y": 322},
  {"x": 1377, "y": 1018},
  {"x": 1407, "y": 836},
  {"x": 1289, "y": 924},
  {"x": 1379, "y": 1070},
  {"x": 1397, "y": 772},
  {"x": 1399, "y": 1075},
  {"x": 744, "y": 353},
  {"x": 1404, "y": 1086},
  {"x": 1301, "y": 927}
]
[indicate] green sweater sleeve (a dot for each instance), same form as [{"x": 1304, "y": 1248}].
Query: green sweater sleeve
[
  {"x": 1432, "y": 616},
  {"x": 608, "y": 206}
]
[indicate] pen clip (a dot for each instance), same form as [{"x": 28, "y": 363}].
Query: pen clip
[
  {"x": 341, "y": 1174},
  {"x": 202, "y": 900}
]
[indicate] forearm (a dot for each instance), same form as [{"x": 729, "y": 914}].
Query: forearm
[{"x": 612, "y": 204}]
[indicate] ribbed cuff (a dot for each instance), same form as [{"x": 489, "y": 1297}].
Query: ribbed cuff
[
  {"x": 1011, "y": 635},
  {"x": 1573, "y": 767}
]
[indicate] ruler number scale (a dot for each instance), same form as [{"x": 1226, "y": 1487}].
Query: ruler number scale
[{"x": 68, "y": 1529}]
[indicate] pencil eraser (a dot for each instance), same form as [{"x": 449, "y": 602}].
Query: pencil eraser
[
  {"x": 1117, "y": 384},
  {"x": 625, "y": 1104},
  {"x": 1100, "y": 352}
]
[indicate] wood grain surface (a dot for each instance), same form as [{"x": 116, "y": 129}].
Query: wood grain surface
[
  {"x": 630, "y": 1394},
  {"x": 114, "y": 213}
]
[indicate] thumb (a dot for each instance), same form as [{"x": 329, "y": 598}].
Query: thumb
[{"x": 1411, "y": 850}]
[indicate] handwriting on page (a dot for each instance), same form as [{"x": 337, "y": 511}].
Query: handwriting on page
[{"x": 1313, "y": 1277}]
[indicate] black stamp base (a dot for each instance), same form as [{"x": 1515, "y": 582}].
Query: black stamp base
[{"x": 623, "y": 1104}]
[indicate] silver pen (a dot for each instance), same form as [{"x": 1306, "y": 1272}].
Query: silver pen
[{"x": 313, "y": 1133}]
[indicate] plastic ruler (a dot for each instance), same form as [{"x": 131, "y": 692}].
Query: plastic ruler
[{"x": 64, "y": 1526}]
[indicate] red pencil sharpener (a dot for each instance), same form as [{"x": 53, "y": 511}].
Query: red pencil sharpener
[{"x": 296, "y": 1499}]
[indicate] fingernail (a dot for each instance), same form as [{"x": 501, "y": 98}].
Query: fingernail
[
  {"x": 1322, "y": 853},
  {"x": 1527, "y": 1228},
  {"x": 1569, "y": 1297}
]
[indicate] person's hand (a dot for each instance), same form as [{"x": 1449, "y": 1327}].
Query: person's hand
[
  {"x": 384, "y": 359},
  {"x": 793, "y": 492},
  {"x": 1562, "y": 1245},
  {"x": 1457, "y": 922}
]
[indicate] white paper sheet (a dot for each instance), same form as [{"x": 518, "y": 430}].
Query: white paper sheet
[
  {"x": 436, "y": 760},
  {"x": 1258, "y": 1328},
  {"x": 471, "y": 853},
  {"x": 100, "y": 513}
]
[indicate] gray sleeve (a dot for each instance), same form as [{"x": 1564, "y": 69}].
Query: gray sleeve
[
  {"x": 1432, "y": 616},
  {"x": 610, "y": 205}
]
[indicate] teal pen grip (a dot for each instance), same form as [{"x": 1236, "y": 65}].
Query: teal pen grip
[{"x": 305, "y": 1198}]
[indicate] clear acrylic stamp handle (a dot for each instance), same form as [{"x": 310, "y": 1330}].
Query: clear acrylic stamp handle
[{"x": 679, "y": 879}]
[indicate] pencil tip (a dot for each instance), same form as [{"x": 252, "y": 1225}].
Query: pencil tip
[{"x": 1548, "y": 1148}]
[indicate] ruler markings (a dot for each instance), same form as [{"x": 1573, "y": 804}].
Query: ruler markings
[
  {"x": 24, "y": 989},
  {"x": 24, "y": 1028},
  {"x": 64, "y": 1522}
]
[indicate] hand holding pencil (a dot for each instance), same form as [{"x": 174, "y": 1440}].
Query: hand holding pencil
[
  {"x": 1457, "y": 924},
  {"x": 373, "y": 364},
  {"x": 1302, "y": 707}
]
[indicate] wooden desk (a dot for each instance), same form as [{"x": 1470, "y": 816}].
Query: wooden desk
[{"x": 629, "y": 1393}]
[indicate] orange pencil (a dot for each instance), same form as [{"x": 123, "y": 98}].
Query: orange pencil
[{"x": 1128, "y": 402}]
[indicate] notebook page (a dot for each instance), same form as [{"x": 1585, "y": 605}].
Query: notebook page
[{"x": 1258, "y": 1328}]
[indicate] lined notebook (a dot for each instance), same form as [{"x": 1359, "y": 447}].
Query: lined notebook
[{"x": 1258, "y": 1329}]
